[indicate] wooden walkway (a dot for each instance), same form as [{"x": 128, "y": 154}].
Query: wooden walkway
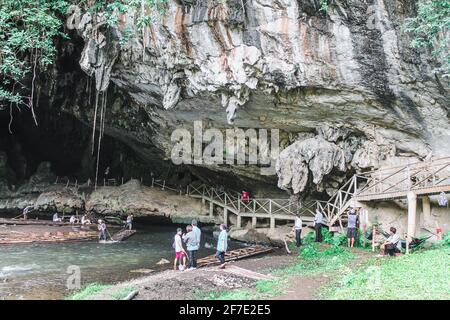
[
  {"x": 253, "y": 209},
  {"x": 422, "y": 178}
]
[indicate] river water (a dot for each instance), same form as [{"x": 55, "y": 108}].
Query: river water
[{"x": 40, "y": 271}]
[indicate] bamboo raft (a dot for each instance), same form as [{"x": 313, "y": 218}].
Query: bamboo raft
[
  {"x": 234, "y": 255},
  {"x": 33, "y": 222},
  {"x": 122, "y": 235},
  {"x": 58, "y": 237}
]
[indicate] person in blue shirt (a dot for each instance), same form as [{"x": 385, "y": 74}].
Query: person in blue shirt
[
  {"x": 352, "y": 230},
  {"x": 190, "y": 239},
  {"x": 318, "y": 220},
  {"x": 198, "y": 237},
  {"x": 222, "y": 245}
]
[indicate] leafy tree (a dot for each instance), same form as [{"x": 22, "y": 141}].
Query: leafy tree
[
  {"x": 29, "y": 28},
  {"x": 27, "y": 32},
  {"x": 431, "y": 27}
]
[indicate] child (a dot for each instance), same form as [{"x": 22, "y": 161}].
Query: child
[{"x": 180, "y": 254}]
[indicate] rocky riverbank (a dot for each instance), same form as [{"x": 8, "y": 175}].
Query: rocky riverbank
[{"x": 45, "y": 196}]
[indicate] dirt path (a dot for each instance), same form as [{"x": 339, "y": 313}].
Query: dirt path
[
  {"x": 307, "y": 287},
  {"x": 199, "y": 283},
  {"x": 186, "y": 285}
]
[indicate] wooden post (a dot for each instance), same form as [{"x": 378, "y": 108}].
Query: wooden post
[
  {"x": 412, "y": 214},
  {"x": 225, "y": 216},
  {"x": 104, "y": 182},
  {"x": 272, "y": 223},
  {"x": 153, "y": 181},
  {"x": 426, "y": 208},
  {"x": 122, "y": 181},
  {"x": 254, "y": 222},
  {"x": 211, "y": 209},
  {"x": 187, "y": 190},
  {"x": 239, "y": 221},
  {"x": 164, "y": 184},
  {"x": 373, "y": 238}
]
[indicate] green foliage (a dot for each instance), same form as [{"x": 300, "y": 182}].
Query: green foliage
[
  {"x": 29, "y": 28},
  {"x": 445, "y": 242},
  {"x": 27, "y": 33},
  {"x": 88, "y": 291},
  {"x": 112, "y": 9},
  {"x": 430, "y": 28},
  {"x": 422, "y": 275},
  {"x": 324, "y": 5}
]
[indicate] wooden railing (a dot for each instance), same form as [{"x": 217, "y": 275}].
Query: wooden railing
[
  {"x": 424, "y": 177},
  {"x": 392, "y": 182}
]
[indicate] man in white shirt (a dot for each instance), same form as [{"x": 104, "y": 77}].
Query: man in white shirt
[
  {"x": 298, "y": 231},
  {"x": 392, "y": 245},
  {"x": 318, "y": 220}
]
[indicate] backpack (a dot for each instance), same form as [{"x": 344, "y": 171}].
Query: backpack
[{"x": 442, "y": 199}]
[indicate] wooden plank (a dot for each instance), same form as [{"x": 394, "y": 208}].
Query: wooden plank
[{"x": 234, "y": 255}]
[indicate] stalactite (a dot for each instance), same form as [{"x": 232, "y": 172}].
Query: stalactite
[
  {"x": 95, "y": 121},
  {"x": 102, "y": 107}
]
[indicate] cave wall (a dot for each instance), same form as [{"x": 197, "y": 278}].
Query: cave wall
[{"x": 343, "y": 87}]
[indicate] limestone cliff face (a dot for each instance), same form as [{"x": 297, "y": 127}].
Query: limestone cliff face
[{"x": 343, "y": 86}]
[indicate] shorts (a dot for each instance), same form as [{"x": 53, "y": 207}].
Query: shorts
[
  {"x": 351, "y": 232},
  {"x": 179, "y": 255}
]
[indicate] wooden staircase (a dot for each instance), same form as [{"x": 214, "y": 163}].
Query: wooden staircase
[{"x": 423, "y": 178}]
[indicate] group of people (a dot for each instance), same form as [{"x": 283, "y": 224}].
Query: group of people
[
  {"x": 298, "y": 226},
  {"x": 192, "y": 240},
  {"x": 390, "y": 246}
]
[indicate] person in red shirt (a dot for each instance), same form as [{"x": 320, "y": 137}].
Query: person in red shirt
[{"x": 245, "y": 197}]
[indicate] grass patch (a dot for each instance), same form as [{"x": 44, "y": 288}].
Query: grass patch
[
  {"x": 315, "y": 259},
  {"x": 421, "y": 275},
  {"x": 122, "y": 292},
  {"x": 88, "y": 291}
]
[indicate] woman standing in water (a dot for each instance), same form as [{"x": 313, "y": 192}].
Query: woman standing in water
[{"x": 222, "y": 245}]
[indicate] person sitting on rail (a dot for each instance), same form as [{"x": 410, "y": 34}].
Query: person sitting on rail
[
  {"x": 392, "y": 245},
  {"x": 85, "y": 220},
  {"x": 73, "y": 219},
  {"x": 56, "y": 218},
  {"x": 245, "y": 197}
]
